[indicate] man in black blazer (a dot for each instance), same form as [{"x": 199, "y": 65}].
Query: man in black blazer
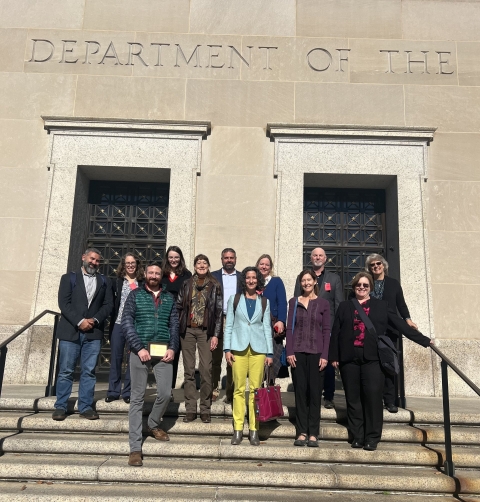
[
  {"x": 330, "y": 288},
  {"x": 85, "y": 300},
  {"x": 229, "y": 279}
]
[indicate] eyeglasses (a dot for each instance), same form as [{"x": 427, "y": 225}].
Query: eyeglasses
[
  {"x": 131, "y": 264},
  {"x": 364, "y": 285},
  {"x": 376, "y": 264}
]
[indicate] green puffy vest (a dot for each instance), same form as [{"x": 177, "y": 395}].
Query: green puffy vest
[{"x": 151, "y": 322}]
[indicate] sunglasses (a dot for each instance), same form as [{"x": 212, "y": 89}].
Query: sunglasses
[
  {"x": 364, "y": 285},
  {"x": 376, "y": 264}
]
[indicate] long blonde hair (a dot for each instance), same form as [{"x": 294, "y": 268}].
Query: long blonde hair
[{"x": 269, "y": 258}]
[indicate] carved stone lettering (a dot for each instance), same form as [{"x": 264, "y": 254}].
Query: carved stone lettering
[
  {"x": 422, "y": 61},
  {"x": 312, "y": 65},
  {"x": 245, "y": 62},
  {"x": 132, "y": 54},
  {"x": 213, "y": 54},
  {"x": 441, "y": 62},
  {"x": 65, "y": 50},
  {"x": 43, "y": 41},
  {"x": 113, "y": 55},
  {"x": 389, "y": 59},
  {"x": 87, "y": 50},
  {"x": 159, "y": 52},
  {"x": 341, "y": 58},
  {"x": 267, "y": 56},
  {"x": 194, "y": 53}
]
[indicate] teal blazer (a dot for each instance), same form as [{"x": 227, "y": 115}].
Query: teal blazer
[{"x": 240, "y": 331}]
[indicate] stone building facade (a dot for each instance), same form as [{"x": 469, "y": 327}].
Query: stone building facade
[{"x": 239, "y": 108}]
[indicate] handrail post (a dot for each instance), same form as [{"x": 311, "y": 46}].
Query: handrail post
[
  {"x": 49, "y": 389},
  {"x": 402, "y": 401},
  {"x": 3, "y": 358},
  {"x": 448, "y": 464}
]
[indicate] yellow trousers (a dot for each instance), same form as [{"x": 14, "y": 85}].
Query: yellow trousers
[{"x": 251, "y": 363}]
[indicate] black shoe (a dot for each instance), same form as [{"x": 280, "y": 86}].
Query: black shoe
[
  {"x": 59, "y": 414},
  {"x": 356, "y": 443},
  {"x": 237, "y": 437},
  {"x": 109, "y": 399},
  {"x": 254, "y": 439},
  {"x": 126, "y": 400},
  {"x": 328, "y": 404},
  {"x": 312, "y": 443},
  {"x": 370, "y": 446},
  {"x": 300, "y": 442},
  {"x": 90, "y": 414},
  {"x": 391, "y": 408}
]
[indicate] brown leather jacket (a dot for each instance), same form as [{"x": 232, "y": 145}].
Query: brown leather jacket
[{"x": 212, "y": 320}]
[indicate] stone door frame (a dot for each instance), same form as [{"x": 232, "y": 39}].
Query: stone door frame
[{"x": 380, "y": 153}]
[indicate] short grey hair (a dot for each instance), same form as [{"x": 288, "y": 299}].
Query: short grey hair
[
  {"x": 93, "y": 250},
  {"x": 376, "y": 257}
]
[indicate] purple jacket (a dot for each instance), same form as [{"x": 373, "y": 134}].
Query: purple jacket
[{"x": 319, "y": 316}]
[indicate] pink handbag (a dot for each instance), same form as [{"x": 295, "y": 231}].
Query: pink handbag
[{"x": 268, "y": 402}]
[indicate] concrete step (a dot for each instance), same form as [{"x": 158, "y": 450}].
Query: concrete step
[
  {"x": 237, "y": 473},
  {"x": 223, "y": 427},
  {"x": 80, "y": 492},
  {"x": 216, "y": 448}
]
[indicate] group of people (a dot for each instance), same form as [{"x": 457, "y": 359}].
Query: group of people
[{"x": 164, "y": 310}]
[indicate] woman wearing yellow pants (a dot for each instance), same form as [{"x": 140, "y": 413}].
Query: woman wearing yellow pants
[{"x": 248, "y": 348}]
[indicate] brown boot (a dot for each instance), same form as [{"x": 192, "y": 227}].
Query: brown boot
[
  {"x": 158, "y": 434},
  {"x": 135, "y": 459}
]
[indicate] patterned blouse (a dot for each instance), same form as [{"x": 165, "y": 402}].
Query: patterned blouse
[
  {"x": 199, "y": 300},
  {"x": 378, "y": 288},
  {"x": 126, "y": 288},
  {"x": 359, "y": 326}
]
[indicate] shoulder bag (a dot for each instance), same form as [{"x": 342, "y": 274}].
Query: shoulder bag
[{"x": 387, "y": 353}]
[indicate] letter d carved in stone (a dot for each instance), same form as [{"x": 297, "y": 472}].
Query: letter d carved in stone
[{"x": 38, "y": 40}]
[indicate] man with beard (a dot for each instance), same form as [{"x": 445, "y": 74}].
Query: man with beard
[
  {"x": 150, "y": 325},
  {"x": 85, "y": 300},
  {"x": 229, "y": 280},
  {"x": 330, "y": 288}
]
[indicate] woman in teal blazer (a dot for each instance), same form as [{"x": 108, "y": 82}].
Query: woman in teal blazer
[{"x": 247, "y": 343}]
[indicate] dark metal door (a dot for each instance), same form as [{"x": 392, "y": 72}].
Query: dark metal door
[
  {"x": 123, "y": 217},
  {"x": 349, "y": 224}
]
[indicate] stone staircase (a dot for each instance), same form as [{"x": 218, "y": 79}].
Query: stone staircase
[{"x": 79, "y": 460}]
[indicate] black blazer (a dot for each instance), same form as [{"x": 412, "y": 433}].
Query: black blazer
[
  {"x": 393, "y": 295},
  {"x": 343, "y": 336},
  {"x": 74, "y": 307},
  {"x": 117, "y": 286},
  {"x": 334, "y": 296}
]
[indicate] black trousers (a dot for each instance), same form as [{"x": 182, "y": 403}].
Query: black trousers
[
  {"x": 308, "y": 385},
  {"x": 389, "y": 390},
  {"x": 363, "y": 383}
]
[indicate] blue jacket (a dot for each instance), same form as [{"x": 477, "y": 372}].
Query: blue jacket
[
  {"x": 240, "y": 331},
  {"x": 277, "y": 296}
]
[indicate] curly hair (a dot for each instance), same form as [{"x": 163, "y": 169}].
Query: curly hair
[
  {"x": 243, "y": 279},
  {"x": 122, "y": 270}
]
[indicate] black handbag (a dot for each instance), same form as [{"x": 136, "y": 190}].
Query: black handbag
[{"x": 387, "y": 353}]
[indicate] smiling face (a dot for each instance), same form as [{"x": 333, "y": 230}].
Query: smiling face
[
  {"x": 153, "y": 275},
  {"x": 173, "y": 259},
  {"x": 251, "y": 281},
  {"x": 91, "y": 262},
  {"x": 265, "y": 267},
  {"x": 362, "y": 289},
  {"x": 377, "y": 268},
  {"x": 318, "y": 258},
  {"x": 130, "y": 265},
  {"x": 201, "y": 268},
  {"x": 308, "y": 284}
]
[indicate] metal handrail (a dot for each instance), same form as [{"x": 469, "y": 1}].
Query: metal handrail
[
  {"x": 4, "y": 349},
  {"x": 449, "y": 466}
]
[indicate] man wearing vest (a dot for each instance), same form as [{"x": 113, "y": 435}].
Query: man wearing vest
[
  {"x": 85, "y": 300},
  {"x": 149, "y": 322}
]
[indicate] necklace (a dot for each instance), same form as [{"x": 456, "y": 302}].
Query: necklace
[{"x": 250, "y": 302}]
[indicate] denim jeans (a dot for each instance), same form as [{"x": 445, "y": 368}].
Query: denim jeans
[
  {"x": 69, "y": 352},
  {"x": 117, "y": 346}
]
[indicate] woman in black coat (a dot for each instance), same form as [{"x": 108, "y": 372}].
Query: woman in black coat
[
  {"x": 354, "y": 350},
  {"x": 388, "y": 289},
  {"x": 129, "y": 277}
]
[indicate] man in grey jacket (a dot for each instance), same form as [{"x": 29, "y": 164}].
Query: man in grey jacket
[{"x": 330, "y": 288}]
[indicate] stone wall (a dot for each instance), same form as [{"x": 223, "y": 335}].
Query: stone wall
[{"x": 236, "y": 192}]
